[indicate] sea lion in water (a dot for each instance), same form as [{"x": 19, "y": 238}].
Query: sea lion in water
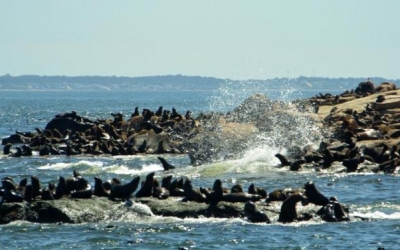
[
  {"x": 334, "y": 211},
  {"x": 125, "y": 191},
  {"x": 165, "y": 164},
  {"x": 314, "y": 195},
  {"x": 146, "y": 189},
  {"x": 288, "y": 211},
  {"x": 253, "y": 215},
  {"x": 283, "y": 160}
]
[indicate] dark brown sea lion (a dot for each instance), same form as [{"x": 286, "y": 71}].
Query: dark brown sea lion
[
  {"x": 99, "y": 189},
  {"x": 334, "y": 211},
  {"x": 7, "y": 149},
  {"x": 192, "y": 194},
  {"x": 288, "y": 211},
  {"x": 314, "y": 195},
  {"x": 283, "y": 160},
  {"x": 296, "y": 165},
  {"x": 352, "y": 164},
  {"x": 253, "y": 215},
  {"x": 159, "y": 192},
  {"x": 257, "y": 190},
  {"x": 165, "y": 164},
  {"x": 10, "y": 192},
  {"x": 61, "y": 188},
  {"x": 146, "y": 189},
  {"x": 215, "y": 195},
  {"x": 281, "y": 194},
  {"x": 176, "y": 188},
  {"x": 124, "y": 191},
  {"x": 237, "y": 188},
  {"x": 47, "y": 195},
  {"x": 241, "y": 197},
  {"x": 35, "y": 186}
]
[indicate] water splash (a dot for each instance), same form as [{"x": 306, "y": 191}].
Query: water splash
[{"x": 284, "y": 125}]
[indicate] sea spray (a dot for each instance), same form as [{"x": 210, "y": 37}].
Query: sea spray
[{"x": 253, "y": 120}]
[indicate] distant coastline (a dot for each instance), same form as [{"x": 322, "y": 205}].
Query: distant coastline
[{"x": 170, "y": 83}]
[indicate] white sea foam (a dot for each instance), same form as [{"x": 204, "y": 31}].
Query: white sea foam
[{"x": 376, "y": 215}]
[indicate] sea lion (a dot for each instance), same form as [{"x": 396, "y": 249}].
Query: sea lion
[
  {"x": 35, "y": 186},
  {"x": 352, "y": 164},
  {"x": 192, "y": 194},
  {"x": 314, "y": 195},
  {"x": 146, "y": 189},
  {"x": 334, "y": 211},
  {"x": 159, "y": 192},
  {"x": 281, "y": 194},
  {"x": 283, "y": 160},
  {"x": 257, "y": 190},
  {"x": 241, "y": 197},
  {"x": 99, "y": 189},
  {"x": 83, "y": 189},
  {"x": 237, "y": 188},
  {"x": 124, "y": 191},
  {"x": 176, "y": 188},
  {"x": 46, "y": 194},
  {"x": 296, "y": 165},
  {"x": 216, "y": 194},
  {"x": 253, "y": 215},
  {"x": 288, "y": 211},
  {"x": 61, "y": 188},
  {"x": 10, "y": 192},
  {"x": 7, "y": 149},
  {"x": 165, "y": 164}
]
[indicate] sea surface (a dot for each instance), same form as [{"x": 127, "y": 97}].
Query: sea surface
[{"x": 375, "y": 196}]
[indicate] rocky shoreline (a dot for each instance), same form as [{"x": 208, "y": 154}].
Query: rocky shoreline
[{"x": 362, "y": 132}]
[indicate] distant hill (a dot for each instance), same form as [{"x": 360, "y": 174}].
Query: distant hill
[{"x": 172, "y": 82}]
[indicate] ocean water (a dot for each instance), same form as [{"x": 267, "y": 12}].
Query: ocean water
[{"x": 375, "y": 196}]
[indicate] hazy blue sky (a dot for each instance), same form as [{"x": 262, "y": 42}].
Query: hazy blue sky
[{"x": 230, "y": 39}]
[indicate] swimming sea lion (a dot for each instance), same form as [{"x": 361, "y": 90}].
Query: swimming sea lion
[
  {"x": 283, "y": 160},
  {"x": 296, "y": 165},
  {"x": 334, "y": 211},
  {"x": 165, "y": 164},
  {"x": 253, "y": 215},
  {"x": 124, "y": 191}
]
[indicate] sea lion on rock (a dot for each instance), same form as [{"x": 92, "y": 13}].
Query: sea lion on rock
[
  {"x": 192, "y": 194},
  {"x": 125, "y": 191},
  {"x": 314, "y": 195},
  {"x": 61, "y": 188},
  {"x": 352, "y": 164},
  {"x": 257, "y": 190},
  {"x": 253, "y": 215},
  {"x": 146, "y": 189},
  {"x": 165, "y": 164},
  {"x": 159, "y": 192},
  {"x": 10, "y": 192},
  {"x": 237, "y": 188},
  {"x": 288, "y": 211},
  {"x": 99, "y": 189}
]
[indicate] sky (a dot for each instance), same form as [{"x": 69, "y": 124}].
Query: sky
[{"x": 235, "y": 39}]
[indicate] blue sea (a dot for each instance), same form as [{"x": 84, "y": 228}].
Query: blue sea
[{"x": 375, "y": 196}]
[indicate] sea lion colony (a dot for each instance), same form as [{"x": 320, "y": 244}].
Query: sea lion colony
[
  {"x": 168, "y": 132},
  {"x": 78, "y": 187}
]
